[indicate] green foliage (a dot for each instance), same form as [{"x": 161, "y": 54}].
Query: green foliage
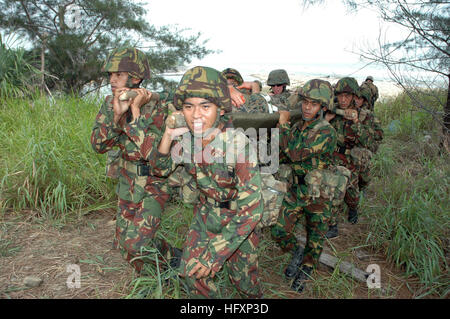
[
  {"x": 47, "y": 164},
  {"x": 401, "y": 114},
  {"x": 15, "y": 71},
  {"x": 79, "y": 34},
  {"x": 408, "y": 197}
]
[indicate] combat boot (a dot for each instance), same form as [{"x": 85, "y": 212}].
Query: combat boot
[
  {"x": 174, "y": 261},
  {"x": 299, "y": 282},
  {"x": 332, "y": 232},
  {"x": 294, "y": 264},
  {"x": 353, "y": 216}
]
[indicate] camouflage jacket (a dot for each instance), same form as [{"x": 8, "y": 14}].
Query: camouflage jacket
[
  {"x": 282, "y": 101},
  {"x": 135, "y": 139},
  {"x": 308, "y": 149},
  {"x": 350, "y": 135},
  {"x": 374, "y": 128},
  {"x": 254, "y": 102},
  {"x": 373, "y": 89},
  {"x": 225, "y": 171}
]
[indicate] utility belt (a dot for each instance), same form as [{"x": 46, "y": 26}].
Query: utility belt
[
  {"x": 227, "y": 204},
  {"x": 140, "y": 168},
  {"x": 299, "y": 179}
]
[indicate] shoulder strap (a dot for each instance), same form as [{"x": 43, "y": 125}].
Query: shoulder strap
[
  {"x": 271, "y": 108},
  {"x": 317, "y": 127}
]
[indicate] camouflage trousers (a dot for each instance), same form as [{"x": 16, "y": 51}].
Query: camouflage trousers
[
  {"x": 364, "y": 178},
  {"x": 317, "y": 213},
  {"x": 241, "y": 266},
  {"x": 352, "y": 194},
  {"x": 137, "y": 225}
]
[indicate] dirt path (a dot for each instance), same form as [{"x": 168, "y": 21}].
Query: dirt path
[
  {"x": 28, "y": 248},
  {"x": 42, "y": 251}
]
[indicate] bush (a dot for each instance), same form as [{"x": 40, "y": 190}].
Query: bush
[
  {"x": 408, "y": 197},
  {"x": 16, "y": 73}
]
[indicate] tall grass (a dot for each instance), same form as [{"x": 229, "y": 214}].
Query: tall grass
[
  {"x": 47, "y": 164},
  {"x": 408, "y": 202}
]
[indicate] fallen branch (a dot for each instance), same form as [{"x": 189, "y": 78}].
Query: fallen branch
[{"x": 344, "y": 266}]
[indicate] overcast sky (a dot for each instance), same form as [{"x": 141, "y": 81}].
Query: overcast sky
[{"x": 256, "y": 36}]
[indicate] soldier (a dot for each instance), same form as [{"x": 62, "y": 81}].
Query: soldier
[
  {"x": 373, "y": 89},
  {"x": 351, "y": 133},
  {"x": 367, "y": 117},
  {"x": 135, "y": 131},
  {"x": 279, "y": 95},
  {"x": 309, "y": 145},
  {"x": 253, "y": 101},
  {"x": 229, "y": 207},
  {"x": 235, "y": 79}
]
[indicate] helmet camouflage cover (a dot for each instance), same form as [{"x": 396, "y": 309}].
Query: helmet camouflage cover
[
  {"x": 317, "y": 90},
  {"x": 366, "y": 93},
  {"x": 206, "y": 83},
  {"x": 277, "y": 77},
  {"x": 129, "y": 60},
  {"x": 234, "y": 74},
  {"x": 347, "y": 85}
]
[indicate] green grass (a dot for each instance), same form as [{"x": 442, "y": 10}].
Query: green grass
[
  {"x": 408, "y": 202},
  {"x": 47, "y": 164}
]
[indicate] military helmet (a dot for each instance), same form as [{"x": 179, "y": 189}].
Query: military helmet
[
  {"x": 318, "y": 90},
  {"x": 129, "y": 60},
  {"x": 278, "y": 77},
  {"x": 206, "y": 83},
  {"x": 347, "y": 85},
  {"x": 365, "y": 92},
  {"x": 369, "y": 78},
  {"x": 230, "y": 73}
]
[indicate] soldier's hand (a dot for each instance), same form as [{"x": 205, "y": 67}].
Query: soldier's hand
[
  {"x": 237, "y": 98},
  {"x": 119, "y": 106},
  {"x": 169, "y": 135},
  {"x": 284, "y": 117},
  {"x": 351, "y": 114},
  {"x": 252, "y": 86},
  {"x": 201, "y": 271},
  {"x": 143, "y": 97}
]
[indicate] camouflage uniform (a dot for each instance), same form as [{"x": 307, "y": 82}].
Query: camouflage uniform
[
  {"x": 229, "y": 206},
  {"x": 367, "y": 117},
  {"x": 282, "y": 101},
  {"x": 349, "y": 136},
  {"x": 368, "y": 83},
  {"x": 308, "y": 149},
  {"x": 141, "y": 196}
]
